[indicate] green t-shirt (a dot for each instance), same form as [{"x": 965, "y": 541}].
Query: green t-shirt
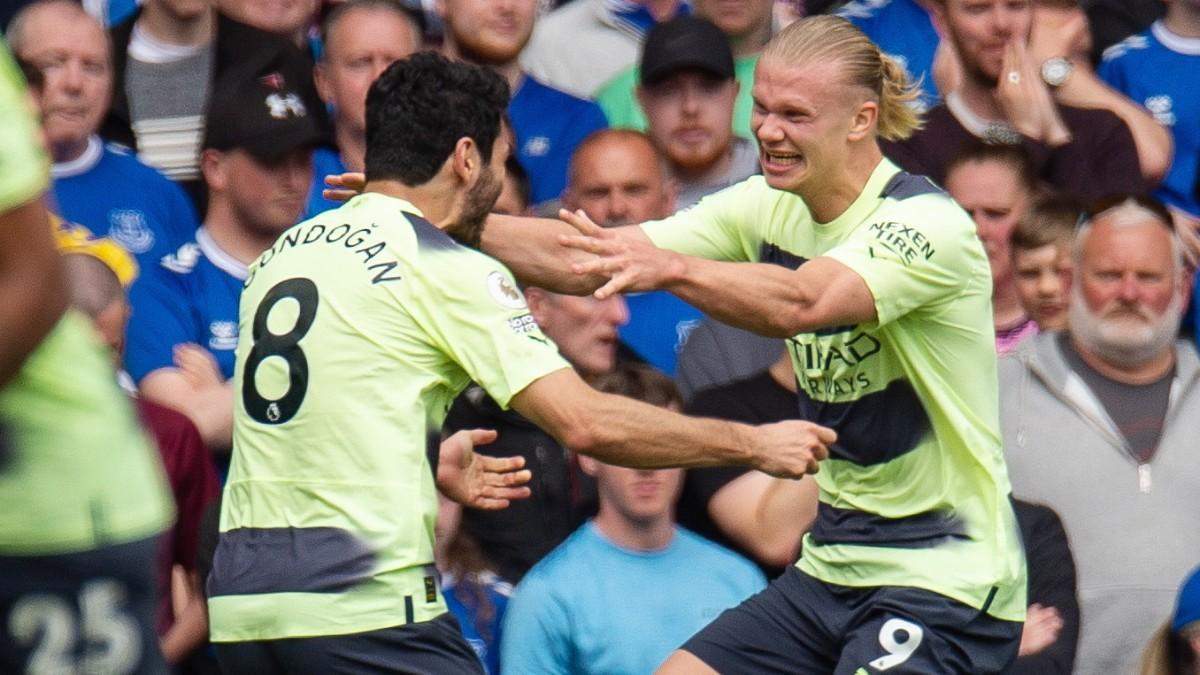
[
  {"x": 359, "y": 327},
  {"x": 915, "y": 492},
  {"x": 621, "y": 107},
  {"x": 76, "y": 471}
]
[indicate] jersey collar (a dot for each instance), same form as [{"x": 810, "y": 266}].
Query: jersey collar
[
  {"x": 1188, "y": 46},
  {"x": 83, "y": 163},
  {"x": 222, "y": 260}
]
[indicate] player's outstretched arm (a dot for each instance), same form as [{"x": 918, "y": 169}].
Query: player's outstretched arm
[
  {"x": 622, "y": 431},
  {"x": 476, "y": 480},
  {"x": 766, "y": 299},
  {"x": 528, "y": 246},
  {"x": 31, "y": 284}
]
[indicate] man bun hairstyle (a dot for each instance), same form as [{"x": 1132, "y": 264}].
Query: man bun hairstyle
[{"x": 825, "y": 38}]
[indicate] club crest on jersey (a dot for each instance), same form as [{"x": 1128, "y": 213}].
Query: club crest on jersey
[
  {"x": 129, "y": 229},
  {"x": 224, "y": 335},
  {"x": 504, "y": 292}
]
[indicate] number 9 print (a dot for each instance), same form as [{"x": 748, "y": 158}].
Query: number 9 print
[{"x": 900, "y": 639}]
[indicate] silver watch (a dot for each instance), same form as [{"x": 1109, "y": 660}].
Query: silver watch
[{"x": 1056, "y": 70}]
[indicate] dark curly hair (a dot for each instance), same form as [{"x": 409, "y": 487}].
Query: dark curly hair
[{"x": 421, "y": 106}]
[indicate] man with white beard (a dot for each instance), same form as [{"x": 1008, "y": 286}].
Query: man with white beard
[{"x": 1099, "y": 424}]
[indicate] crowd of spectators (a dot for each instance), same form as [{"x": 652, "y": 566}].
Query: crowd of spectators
[{"x": 187, "y": 135}]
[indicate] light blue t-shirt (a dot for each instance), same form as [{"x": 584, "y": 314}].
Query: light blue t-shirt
[{"x": 593, "y": 607}]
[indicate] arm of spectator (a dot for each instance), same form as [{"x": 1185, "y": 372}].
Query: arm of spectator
[
  {"x": 31, "y": 284},
  {"x": 190, "y": 629},
  {"x": 766, "y": 516},
  {"x": 1026, "y": 99},
  {"x": 622, "y": 431},
  {"x": 1052, "y": 584},
  {"x": 195, "y": 388},
  {"x": 1155, "y": 147}
]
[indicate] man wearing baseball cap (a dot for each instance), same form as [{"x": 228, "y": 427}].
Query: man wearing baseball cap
[
  {"x": 687, "y": 91},
  {"x": 257, "y": 165}
]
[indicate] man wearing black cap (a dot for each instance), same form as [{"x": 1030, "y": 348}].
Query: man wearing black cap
[
  {"x": 257, "y": 164},
  {"x": 687, "y": 91}
]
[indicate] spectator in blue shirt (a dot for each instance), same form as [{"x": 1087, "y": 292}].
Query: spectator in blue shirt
[
  {"x": 95, "y": 184},
  {"x": 257, "y": 164}
]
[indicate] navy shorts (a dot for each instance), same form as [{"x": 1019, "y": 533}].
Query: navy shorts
[
  {"x": 91, "y": 611},
  {"x": 802, "y": 625},
  {"x": 434, "y": 647}
]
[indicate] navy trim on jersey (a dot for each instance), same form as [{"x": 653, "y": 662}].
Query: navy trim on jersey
[
  {"x": 835, "y": 525},
  {"x": 258, "y": 560},
  {"x": 771, "y": 253},
  {"x": 876, "y": 428},
  {"x": 428, "y": 234},
  {"x": 904, "y": 185}
]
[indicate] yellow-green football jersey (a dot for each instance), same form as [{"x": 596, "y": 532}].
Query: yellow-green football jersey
[
  {"x": 76, "y": 471},
  {"x": 915, "y": 491},
  {"x": 358, "y": 329}
]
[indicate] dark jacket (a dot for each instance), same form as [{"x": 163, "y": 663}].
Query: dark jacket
[{"x": 515, "y": 538}]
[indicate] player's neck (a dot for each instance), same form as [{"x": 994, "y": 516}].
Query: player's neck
[
  {"x": 832, "y": 193},
  {"x": 647, "y": 536},
  {"x": 437, "y": 202},
  {"x": 162, "y": 26},
  {"x": 1182, "y": 19}
]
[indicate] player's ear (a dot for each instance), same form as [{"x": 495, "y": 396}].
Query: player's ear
[
  {"x": 536, "y": 298},
  {"x": 466, "y": 161},
  {"x": 865, "y": 114}
]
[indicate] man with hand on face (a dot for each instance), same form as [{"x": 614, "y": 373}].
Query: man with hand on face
[
  {"x": 361, "y": 326},
  {"x": 1007, "y": 98}
]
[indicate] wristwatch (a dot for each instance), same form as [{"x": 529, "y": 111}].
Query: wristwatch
[{"x": 1056, "y": 70}]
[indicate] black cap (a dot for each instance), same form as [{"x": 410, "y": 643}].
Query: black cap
[
  {"x": 260, "y": 113},
  {"x": 685, "y": 42}
]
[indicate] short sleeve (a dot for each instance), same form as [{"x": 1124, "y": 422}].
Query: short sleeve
[
  {"x": 920, "y": 252},
  {"x": 24, "y": 167},
  {"x": 721, "y": 226},
  {"x": 472, "y": 310}
]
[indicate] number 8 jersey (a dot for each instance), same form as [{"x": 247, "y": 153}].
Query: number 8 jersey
[{"x": 358, "y": 328}]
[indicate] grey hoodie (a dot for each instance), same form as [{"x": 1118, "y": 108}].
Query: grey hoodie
[{"x": 1134, "y": 529}]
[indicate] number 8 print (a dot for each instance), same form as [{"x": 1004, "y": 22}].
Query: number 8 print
[
  {"x": 284, "y": 345},
  {"x": 898, "y": 651}
]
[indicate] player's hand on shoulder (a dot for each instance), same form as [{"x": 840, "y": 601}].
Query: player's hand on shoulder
[
  {"x": 344, "y": 186},
  {"x": 479, "y": 481},
  {"x": 792, "y": 449}
]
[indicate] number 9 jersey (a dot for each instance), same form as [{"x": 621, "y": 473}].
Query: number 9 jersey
[{"x": 358, "y": 328}]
